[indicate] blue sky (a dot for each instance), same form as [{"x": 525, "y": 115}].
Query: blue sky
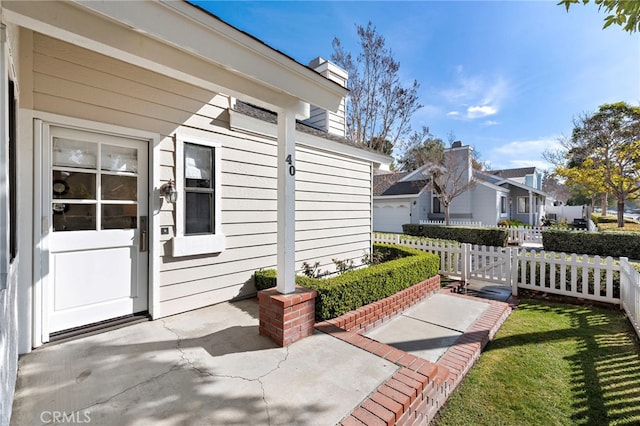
[{"x": 507, "y": 77}]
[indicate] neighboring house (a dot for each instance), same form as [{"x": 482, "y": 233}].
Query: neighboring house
[
  {"x": 397, "y": 201},
  {"x": 109, "y": 110},
  {"x": 497, "y": 195},
  {"x": 526, "y": 200}
]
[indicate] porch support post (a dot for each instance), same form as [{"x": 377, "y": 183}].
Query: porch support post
[
  {"x": 286, "y": 201},
  {"x": 531, "y": 208}
]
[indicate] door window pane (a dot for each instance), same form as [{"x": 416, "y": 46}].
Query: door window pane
[
  {"x": 72, "y": 153},
  {"x": 119, "y": 159},
  {"x": 198, "y": 209},
  {"x": 119, "y": 216},
  {"x": 74, "y": 185},
  {"x": 119, "y": 187},
  {"x": 74, "y": 217}
]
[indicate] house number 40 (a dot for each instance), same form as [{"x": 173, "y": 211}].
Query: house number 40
[{"x": 292, "y": 168}]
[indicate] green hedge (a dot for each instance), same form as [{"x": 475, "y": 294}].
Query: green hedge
[
  {"x": 615, "y": 244},
  {"x": 496, "y": 237},
  {"x": 356, "y": 288}
]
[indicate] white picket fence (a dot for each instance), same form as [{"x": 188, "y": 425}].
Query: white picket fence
[
  {"x": 581, "y": 276},
  {"x": 452, "y": 222},
  {"x": 521, "y": 235},
  {"x": 630, "y": 293},
  {"x": 533, "y": 234}
]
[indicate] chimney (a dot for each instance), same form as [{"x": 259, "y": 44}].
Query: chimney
[
  {"x": 462, "y": 155},
  {"x": 329, "y": 121}
]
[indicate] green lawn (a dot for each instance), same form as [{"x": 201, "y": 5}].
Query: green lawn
[
  {"x": 613, "y": 227},
  {"x": 553, "y": 364}
]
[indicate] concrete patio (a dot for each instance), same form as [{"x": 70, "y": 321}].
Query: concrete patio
[{"x": 211, "y": 367}]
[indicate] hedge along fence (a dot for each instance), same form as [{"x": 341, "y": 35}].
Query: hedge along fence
[
  {"x": 354, "y": 289},
  {"x": 497, "y": 237},
  {"x": 593, "y": 278},
  {"x": 615, "y": 244}
]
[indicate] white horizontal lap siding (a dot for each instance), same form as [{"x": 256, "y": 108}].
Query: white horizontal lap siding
[
  {"x": 332, "y": 192},
  {"x": 333, "y": 208},
  {"x": 78, "y": 83}
]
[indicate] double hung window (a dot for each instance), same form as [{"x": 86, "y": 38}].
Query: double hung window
[
  {"x": 199, "y": 189},
  {"x": 523, "y": 205},
  {"x": 503, "y": 204}
]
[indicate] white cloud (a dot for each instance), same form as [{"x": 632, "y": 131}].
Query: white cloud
[
  {"x": 491, "y": 123},
  {"x": 479, "y": 96},
  {"x": 523, "y": 153},
  {"x": 479, "y": 111}
]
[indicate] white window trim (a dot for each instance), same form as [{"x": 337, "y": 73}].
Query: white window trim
[
  {"x": 191, "y": 245},
  {"x": 504, "y": 205}
]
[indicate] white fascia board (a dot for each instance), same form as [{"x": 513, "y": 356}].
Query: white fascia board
[
  {"x": 246, "y": 124},
  {"x": 492, "y": 186},
  {"x": 189, "y": 28},
  {"x": 521, "y": 186},
  {"x": 394, "y": 197},
  {"x": 161, "y": 37},
  {"x": 417, "y": 174}
]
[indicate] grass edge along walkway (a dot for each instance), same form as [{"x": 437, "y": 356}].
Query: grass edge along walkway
[{"x": 553, "y": 363}]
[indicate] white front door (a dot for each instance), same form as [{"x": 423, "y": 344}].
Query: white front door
[{"x": 97, "y": 194}]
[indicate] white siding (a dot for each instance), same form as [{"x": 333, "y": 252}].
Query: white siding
[
  {"x": 333, "y": 199},
  {"x": 486, "y": 205},
  {"x": 333, "y": 208}
]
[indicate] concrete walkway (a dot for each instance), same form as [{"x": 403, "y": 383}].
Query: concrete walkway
[{"x": 211, "y": 367}]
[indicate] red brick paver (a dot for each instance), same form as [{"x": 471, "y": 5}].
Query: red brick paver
[{"x": 413, "y": 395}]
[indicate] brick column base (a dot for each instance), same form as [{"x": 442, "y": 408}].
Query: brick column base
[{"x": 287, "y": 318}]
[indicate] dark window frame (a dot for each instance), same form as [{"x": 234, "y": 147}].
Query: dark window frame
[
  {"x": 436, "y": 204},
  {"x": 198, "y": 188},
  {"x": 503, "y": 205},
  {"x": 13, "y": 175}
]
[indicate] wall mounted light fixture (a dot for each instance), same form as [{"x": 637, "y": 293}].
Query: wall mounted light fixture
[{"x": 169, "y": 192}]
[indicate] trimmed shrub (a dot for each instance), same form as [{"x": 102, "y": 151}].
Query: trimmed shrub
[
  {"x": 513, "y": 222},
  {"x": 356, "y": 288},
  {"x": 618, "y": 244},
  {"x": 496, "y": 237}
]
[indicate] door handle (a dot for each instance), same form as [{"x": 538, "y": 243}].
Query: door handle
[{"x": 143, "y": 234}]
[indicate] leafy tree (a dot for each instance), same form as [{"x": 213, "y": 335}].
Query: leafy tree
[
  {"x": 379, "y": 107},
  {"x": 449, "y": 172},
  {"x": 625, "y": 13},
  {"x": 581, "y": 182},
  {"x": 605, "y": 153},
  {"x": 421, "y": 148},
  {"x": 552, "y": 186}
]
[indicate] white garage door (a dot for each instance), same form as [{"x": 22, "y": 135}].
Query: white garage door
[{"x": 389, "y": 217}]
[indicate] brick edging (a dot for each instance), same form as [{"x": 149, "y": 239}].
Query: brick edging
[
  {"x": 466, "y": 350},
  {"x": 375, "y": 314},
  {"x": 417, "y": 390}
]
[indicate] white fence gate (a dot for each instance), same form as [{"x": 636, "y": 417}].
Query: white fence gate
[
  {"x": 486, "y": 263},
  {"x": 582, "y": 276}
]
